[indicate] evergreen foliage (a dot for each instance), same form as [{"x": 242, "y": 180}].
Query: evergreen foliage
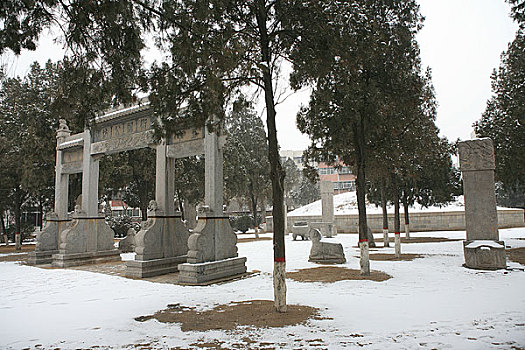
[
  {"x": 246, "y": 167},
  {"x": 504, "y": 122}
]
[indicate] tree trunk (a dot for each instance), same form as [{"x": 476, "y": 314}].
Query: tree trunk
[
  {"x": 4, "y": 229},
  {"x": 359, "y": 142},
  {"x": 144, "y": 210},
  {"x": 18, "y": 222},
  {"x": 253, "y": 200},
  {"x": 386, "y": 242},
  {"x": 397, "y": 222},
  {"x": 190, "y": 214},
  {"x": 41, "y": 213},
  {"x": 277, "y": 173},
  {"x": 405, "y": 209}
]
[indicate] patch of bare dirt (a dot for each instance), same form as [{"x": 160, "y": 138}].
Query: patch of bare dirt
[
  {"x": 328, "y": 274},
  {"x": 11, "y": 248},
  {"x": 392, "y": 257},
  {"x": 252, "y": 313},
  {"x": 14, "y": 257},
  {"x": 245, "y": 240},
  {"x": 516, "y": 255}
]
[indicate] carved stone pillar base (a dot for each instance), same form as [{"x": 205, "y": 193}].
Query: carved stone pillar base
[
  {"x": 212, "y": 252},
  {"x": 204, "y": 273},
  {"x": 485, "y": 254},
  {"x": 88, "y": 258},
  {"x": 161, "y": 245},
  {"x": 47, "y": 241},
  {"x": 154, "y": 267},
  {"x": 41, "y": 257},
  {"x": 213, "y": 239},
  {"x": 88, "y": 240}
]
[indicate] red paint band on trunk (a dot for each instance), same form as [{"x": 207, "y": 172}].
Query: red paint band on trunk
[
  {"x": 363, "y": 240},
  {"x": 396, "y": 233},
  {"x": 385, "y": 228},
  {"x": 279, "y": 259}
]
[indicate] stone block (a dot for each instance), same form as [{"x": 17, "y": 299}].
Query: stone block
[
  {"x": 301, "y": 229},
  {"x": 77, "y": 259},
  {"x": 41, "y": 257},
  {"x": 485, "y": 254},
  {"x": 207, "y": 272},
  {"x": 327, "y": 229},
  {"x": 154, "y": 267}
]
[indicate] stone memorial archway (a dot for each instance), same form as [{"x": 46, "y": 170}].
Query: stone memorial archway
[{"x": 162, "y": 242}]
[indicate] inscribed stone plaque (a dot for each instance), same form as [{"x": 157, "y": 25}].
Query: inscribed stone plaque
[
  {"x": 188, "y": 143},
  {"x": 72, "y": 161},
  {"x": 125, "y": 142},
  {"x": 123, "y": 132}
]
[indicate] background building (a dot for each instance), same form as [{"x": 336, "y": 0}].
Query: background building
[{"x": 342, "y": 178}]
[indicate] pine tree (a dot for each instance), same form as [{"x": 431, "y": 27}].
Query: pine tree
[
  {"x": 504, "y": 121},
  {"x": 246, "y": 167},
  {"x": 368, "y": 49}
]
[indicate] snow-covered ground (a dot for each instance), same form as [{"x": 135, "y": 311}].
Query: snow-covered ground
[
  {"x": 346, "y": 204},
  {"x": 431, "y": 302}
]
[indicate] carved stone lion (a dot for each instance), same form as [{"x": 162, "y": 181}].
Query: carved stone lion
[
  {"x": 152, "y": 206},
  {"x": 62, "y": 125}
]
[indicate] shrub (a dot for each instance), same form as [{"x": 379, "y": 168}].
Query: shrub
[{"x": 121, "y": 225}]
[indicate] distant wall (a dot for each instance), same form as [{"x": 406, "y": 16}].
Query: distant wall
[{"x": 426, "y": 221}]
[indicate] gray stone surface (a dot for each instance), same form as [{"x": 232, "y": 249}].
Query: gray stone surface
[
  {"x": 301, "y": 229},
  {"x": 476, "y": 160},
  {"x": 195, "y": 274},
  {"x": 86, "y": 241},
  {"x": 127, "y": 244},
  {"x": 86, "y": 235},
  {"x": 212, "y": 246},
  {"x": 213, "y": 239},
  {"x": 325, "y": 252},
  {"x": 485, "y": 254},
  {"x": 327, "y": 201},
  {"x": 47, "y": 240},
  {"x": 477, "y": 166},
  {"x": 77, "y": 259},
  {"x": 161, "y": 237},
  {"x": 153, "y": 267},
  {"x": 327, "y": 209},
  {"x": 327, "y": 229}
]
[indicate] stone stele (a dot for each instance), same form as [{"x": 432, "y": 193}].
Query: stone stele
[
  {"x": 326, "y": 226},
  {"x": 482, "y": 248}
]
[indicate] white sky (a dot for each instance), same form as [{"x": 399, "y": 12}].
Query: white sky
[{"x": 461, "y": 41}]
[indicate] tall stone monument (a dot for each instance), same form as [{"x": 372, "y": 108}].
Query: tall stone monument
[
  {"x": 327, "y": 224},
  {"x": 482, "y": 248},
  {"x": 212, "y": 249}
]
